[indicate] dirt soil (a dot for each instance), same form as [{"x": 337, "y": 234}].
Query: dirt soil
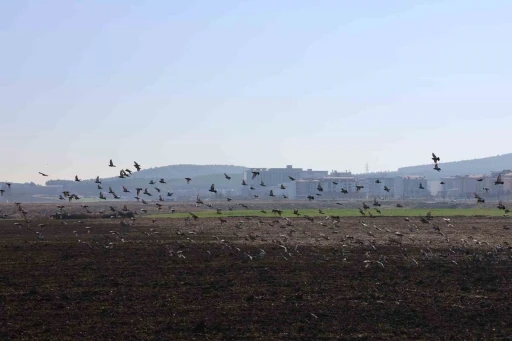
[{"x": 256, "y": 279}]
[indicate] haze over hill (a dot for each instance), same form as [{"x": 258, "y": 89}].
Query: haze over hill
[{"x": 173, "y": 175}]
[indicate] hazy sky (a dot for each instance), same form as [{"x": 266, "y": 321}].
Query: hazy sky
[{"x": 317, "y": 84}]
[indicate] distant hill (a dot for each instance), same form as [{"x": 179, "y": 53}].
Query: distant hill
[
  {"x": 465, "y": 167},
  {"x": 183, "y": 171},
  {"x": 174, "y": 175},
  {"x": 484, "y": 165}
]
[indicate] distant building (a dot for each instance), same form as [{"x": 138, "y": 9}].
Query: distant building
[
  {"x": 409, "y": 188},
  {"x": 465, "y": 186},
  {"x": 393, "y": 184},
  {"x": 272, "y": 176}
]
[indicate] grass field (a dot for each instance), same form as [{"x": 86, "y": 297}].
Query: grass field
[{"x": 394, "y": 212}]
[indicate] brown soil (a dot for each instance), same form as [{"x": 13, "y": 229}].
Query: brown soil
[{"x": 178, "y": 280}]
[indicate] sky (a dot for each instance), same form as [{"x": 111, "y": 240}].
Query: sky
[{"x": 327, "y": 84}]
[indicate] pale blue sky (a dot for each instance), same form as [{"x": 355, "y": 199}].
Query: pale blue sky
[{"x": 317, "y": 84}]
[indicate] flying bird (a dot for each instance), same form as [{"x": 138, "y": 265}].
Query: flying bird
[
  {"x": 111, "y": 164},
  {"x": 212, "y": 189},
  {"x": 227, "y": 176},
  {"x": 291, "y": 178},
  {"x": 136, "y": 165},
  {"x": 43, "y": 174},
  {"x": 499, "y": 181},
  {"x": 255, "y": 174},
  {"x": 188, "y": 180},
  {"x": 435, "y": 158}
]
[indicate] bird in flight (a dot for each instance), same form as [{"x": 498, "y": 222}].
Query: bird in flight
[
  {"x": 43, "y": 174},
  {"x": 227, "y": 176},
  {"x": 188, "y": 180},
  {"x": 111, "y": 164},
  {"x": 77, "y": 179},
  {"x": 499, "y": 181},
  {"x": 212, "y": 189},
  {"x": 136, "y": 165},
  {"x": 435, "y": 158},
  {"x": 255, "y": 174},
  {"x": 291, "y": 178}
]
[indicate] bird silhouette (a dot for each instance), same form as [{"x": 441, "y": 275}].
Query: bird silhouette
[
  {"x": 137, "y": 166},
  {"x": 43, "y": 174},
  {"x": 212, "y": 189},
  {"x": 188, "y": 180},
  {"x": 435, "y": 158},
  {"x": 255, "y": 174},
  {"x": 111, "y": 164},
  {"x": 499, "y": 181},
  {"x": 227, "y": 176},
  {"x": 291, "y": 178}
]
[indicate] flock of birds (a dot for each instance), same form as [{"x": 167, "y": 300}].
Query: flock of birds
[
  {"x": 143, "y": 193},
  {"x": 286, "y": 234}
]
